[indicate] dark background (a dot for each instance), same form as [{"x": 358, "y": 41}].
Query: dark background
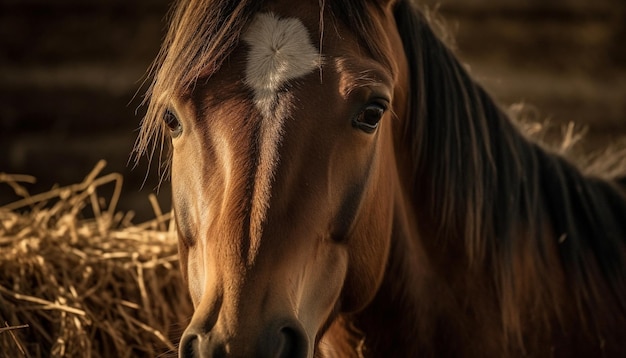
[{"x": 70, "y": 69}]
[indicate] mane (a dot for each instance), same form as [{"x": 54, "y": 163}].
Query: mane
[{"x": 510, "y": 201}]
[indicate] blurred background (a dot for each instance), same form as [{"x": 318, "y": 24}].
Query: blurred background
[{"x": 70, "y": 69}]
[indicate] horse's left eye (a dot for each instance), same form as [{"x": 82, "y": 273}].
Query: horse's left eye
[
  {"x": 369, "y": 118},
  {"x": 172, "y": 123}
]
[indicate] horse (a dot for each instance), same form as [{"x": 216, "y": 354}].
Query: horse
[{"x": 342, "y": 187}]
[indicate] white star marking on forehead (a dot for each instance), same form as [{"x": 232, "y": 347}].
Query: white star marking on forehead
[{"x": 280, "y": 50}]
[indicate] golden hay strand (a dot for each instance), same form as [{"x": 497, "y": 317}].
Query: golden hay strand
[{"x": 74, "y": 284}]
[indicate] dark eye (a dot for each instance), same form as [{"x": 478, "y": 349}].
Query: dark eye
[
  {"x": 369, "y": 118},
  {"x": 172, "y": 123}
]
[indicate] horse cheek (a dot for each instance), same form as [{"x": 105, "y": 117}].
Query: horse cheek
[{"x": 368, "y": 251}]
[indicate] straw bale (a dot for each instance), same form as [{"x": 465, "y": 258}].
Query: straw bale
[{"x": 78, "y": 279}]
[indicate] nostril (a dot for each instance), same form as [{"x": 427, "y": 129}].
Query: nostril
[
  {"x": 197, "y": 345},
  {"x": 293, "y": 343},
  {"x": 188, "y": 347},
  {"x": 283, "y": 341}
]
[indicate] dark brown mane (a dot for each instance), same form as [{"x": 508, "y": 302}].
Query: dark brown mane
[{"x": 499, "y": 192}]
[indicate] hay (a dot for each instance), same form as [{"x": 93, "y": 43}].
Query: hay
[
  {"x": 606, "y": 160},
  {"x": 77, "y": 279}
]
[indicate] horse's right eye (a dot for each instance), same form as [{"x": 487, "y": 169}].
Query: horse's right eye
[{"x": 172, "y": 123}]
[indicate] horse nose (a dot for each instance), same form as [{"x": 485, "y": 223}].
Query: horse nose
[{"x": 288, "y": 341}]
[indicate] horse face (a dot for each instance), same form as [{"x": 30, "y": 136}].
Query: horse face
[{"x": 282, "y": 182}]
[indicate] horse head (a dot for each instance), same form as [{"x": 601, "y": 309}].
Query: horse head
[{"x": 282, "y": 166}]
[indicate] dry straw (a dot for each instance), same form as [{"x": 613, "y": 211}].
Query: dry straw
[
  {"x": 77, "y": 279},
  {"x": 600, "y": 156}
]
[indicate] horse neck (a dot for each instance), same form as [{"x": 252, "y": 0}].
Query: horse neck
[
  {"x": 415, "y": 312},
  {"x": 392, "y": 324}
]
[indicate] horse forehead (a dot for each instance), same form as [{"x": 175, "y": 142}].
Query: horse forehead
[{"x": 279, "y": 50}]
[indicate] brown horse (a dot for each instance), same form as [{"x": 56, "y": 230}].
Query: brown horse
[{"x": 343, "y": 188}]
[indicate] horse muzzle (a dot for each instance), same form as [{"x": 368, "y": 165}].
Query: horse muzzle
[{"x": 286, "y": 339}]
